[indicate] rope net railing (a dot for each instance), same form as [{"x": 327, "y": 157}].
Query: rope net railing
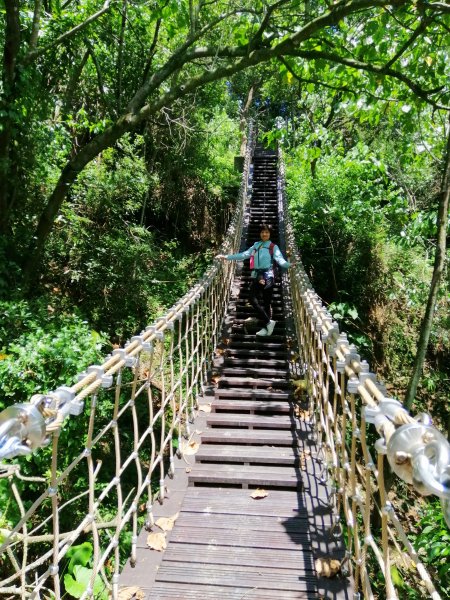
[
  {"x": 349, "y": 408},
  {"x": 74, "y": 524}
]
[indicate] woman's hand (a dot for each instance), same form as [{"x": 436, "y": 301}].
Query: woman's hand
[{"x": 221, "y": 257}]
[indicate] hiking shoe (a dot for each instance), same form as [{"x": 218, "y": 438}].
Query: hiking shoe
[
  {"x": 250, "y": 320},
  {"x": 262, "y": 331},
  {"x": 270, "y": 327}
]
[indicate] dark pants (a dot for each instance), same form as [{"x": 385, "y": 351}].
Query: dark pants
[{"x": 261, "y": 298}]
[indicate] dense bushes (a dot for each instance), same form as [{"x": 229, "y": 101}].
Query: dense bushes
[
  {"x": 366, "y": 254},
  {"x": 41, "y": 349}
]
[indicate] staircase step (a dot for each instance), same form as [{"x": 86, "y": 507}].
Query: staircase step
[
  {"x": 244, "y": 475},
  {"x": 254, "y": 437},
  {"x": 256, "y": 353},
  {"x": 251, "y": 406},
  {"x": 250, "y": 421},
  {"x": 254, "y": 372},
  {"x": 245, "y": 362},
  {"x": 259, "y": 394},
  {"x": 248, "y": 455}
]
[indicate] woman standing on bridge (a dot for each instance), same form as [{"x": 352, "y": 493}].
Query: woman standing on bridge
[{"x": 261, "y": 255}]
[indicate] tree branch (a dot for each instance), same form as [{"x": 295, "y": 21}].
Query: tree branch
[
  {"x": 73, "y": 82},
  {"x": 68, "y": 34},
  {"x": 257, "y": 38},
  {"x": 315, "y": 81},
  {"x": 98, "y": 70},
  {"x": 420, "y": 29},
  {"x": 120, "y": 58},
  {"x": 36, "y": 25},
  {"x": 380, "y": 70},
  {"x": 151, "y": 52}
]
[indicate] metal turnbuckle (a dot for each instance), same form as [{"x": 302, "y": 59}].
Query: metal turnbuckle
[{"x": 22, "y": 430}]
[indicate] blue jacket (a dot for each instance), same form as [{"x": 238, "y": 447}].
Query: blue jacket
[{"x": 263, "y": 260}]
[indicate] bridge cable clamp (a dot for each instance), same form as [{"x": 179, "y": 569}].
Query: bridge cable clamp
[
  {"x": 145, "y": 345},
  {"x": 159, "y": 335},
  {"x": 123, "y": 355},
  {"x": 106, "y": 380}
]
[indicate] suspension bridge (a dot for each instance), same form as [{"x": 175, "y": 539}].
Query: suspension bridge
[{"x": 219, "y": 464}]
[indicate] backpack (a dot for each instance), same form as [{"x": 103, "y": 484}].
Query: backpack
[{"x": 274, "y": 264}]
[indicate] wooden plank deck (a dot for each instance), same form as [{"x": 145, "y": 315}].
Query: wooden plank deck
[{"x": 227, "y": 545}]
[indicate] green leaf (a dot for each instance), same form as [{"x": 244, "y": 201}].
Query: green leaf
[
  {"x": 396, "y": 577},
  {"x": 79, "y": 555},
  {"x": 76, "y": 587}
]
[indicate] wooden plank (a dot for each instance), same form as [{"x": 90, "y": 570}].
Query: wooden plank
[
  {"x": 251, "y": 406},
  {"x": 260, "y": 437},
  {"x": 254, "y": 421},
  {"x": 254, "y": 372},
  {"x": 258, "y": 557},
  {"x": 231, "y": 523},
  {"x": 248, "y": 454},
  {"x": 232, "y": 576},
  {"x": 213, "y": 536},
  {"x": 244, "y": 361},
  {"x": 180, "y": 591},
  {"x": 255, "y": 353},
  {"x": 282, "y": 504},
  {"x": 256, "y": 382},
  {"x": 297, "y": 503},
  {"x": 244, "y": 474},
  {"x": 258, "y": 394}
]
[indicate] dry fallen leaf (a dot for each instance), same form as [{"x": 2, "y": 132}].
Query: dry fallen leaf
[
  {"x": 131, "y": 593},
  {"x": 166, "y": 523},
  {"x": 188, "y": 469},
  {"x": 301, "y": 413},
  {"x": 206, "y": 408},
  {"x": 215, "y": 379},
  {"x": 327, "y": 567},
  {"x": 157, "y": 541},
  {"x": 300, "y": 384},
  {"x": 188, "y": 448},
  {"x": 258, "y": 494}
]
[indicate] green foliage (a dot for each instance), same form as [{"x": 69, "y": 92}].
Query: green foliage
[
  {"x": 368, "y": 253},
  {"x": 343, "y": 216},
  {"x": 42, "y": 348},
  {"x": 78, "y": 577},
  {"x": 132, "y": 272},
  {"x": 433, "y": 545}
]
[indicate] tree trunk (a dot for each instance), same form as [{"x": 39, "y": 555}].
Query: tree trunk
[
  {"x": 243, "y": 117},
  {"x": 67, "y": 177},
  {"x": 10, "y": 53},
  {"x": 439, "y": 262}
]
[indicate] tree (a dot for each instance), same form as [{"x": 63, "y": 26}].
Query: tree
[
  {"x": 359, "y": 44},
  {"x": 438, "y": 270}
]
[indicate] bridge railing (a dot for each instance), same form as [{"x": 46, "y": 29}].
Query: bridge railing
[
  {"x": 349, "y": 408},
  {"x": 70, "y": 526}
]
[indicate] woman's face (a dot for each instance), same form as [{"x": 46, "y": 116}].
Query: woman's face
[{"x": 265, "y": 235}]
